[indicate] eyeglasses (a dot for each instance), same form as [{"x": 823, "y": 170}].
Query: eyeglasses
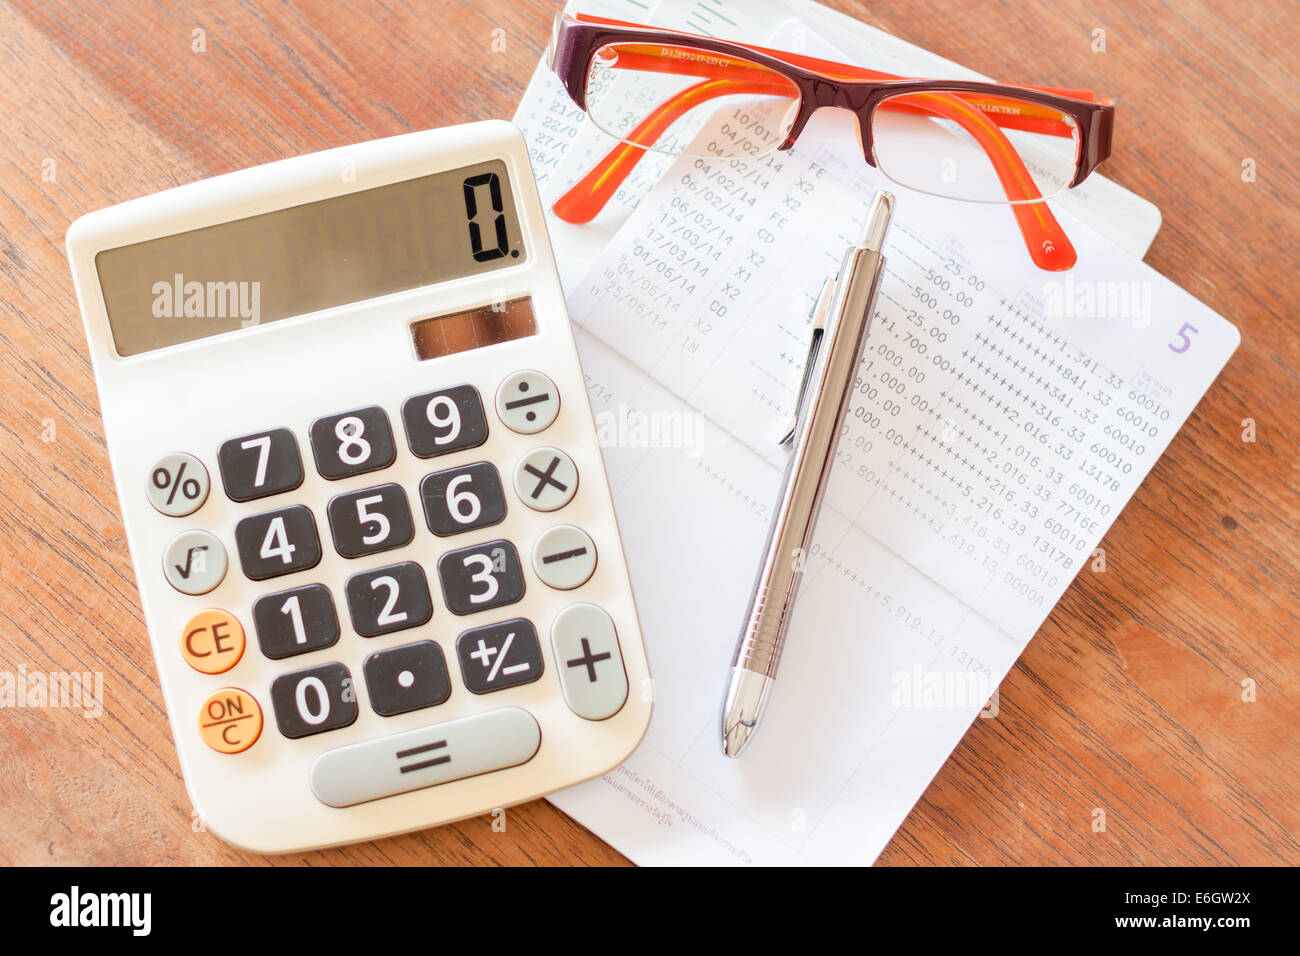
[{"x": 982, "y": 142}]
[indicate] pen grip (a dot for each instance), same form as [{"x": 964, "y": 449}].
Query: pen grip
[{"x": 763, "y": 635}]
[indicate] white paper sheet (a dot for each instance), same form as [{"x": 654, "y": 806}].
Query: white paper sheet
[{"x": 1000, "y": 425}]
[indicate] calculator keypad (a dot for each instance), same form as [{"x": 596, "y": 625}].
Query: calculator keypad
[
  {"x": 277, "y": 542},
  {"x": 265, "y": 463},
  {"x": 406, "y": 678},
  {"x": 296, "y": 621},
  {"x": 463, "y": 499},
  {"x": 481, "y": 577},
  {"x": 314, "y": 700},
  {"x": 388, "y": 599},
  {"x": 441, "y": 422},
  {"x": 369, "y": 521},
  {"x": 491, "y": 657},
  {"x": 352, "y": 443}
]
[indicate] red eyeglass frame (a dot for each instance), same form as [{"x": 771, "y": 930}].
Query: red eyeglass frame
[{"x": 820, "y": 83}]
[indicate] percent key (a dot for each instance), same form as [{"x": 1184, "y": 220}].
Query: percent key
[{"x": 177, "y": 485}]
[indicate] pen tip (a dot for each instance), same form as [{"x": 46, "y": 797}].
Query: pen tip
[
  {"x": 746, "y": 696},
  {"x": 735, "y": 737},
  {"x": 878, "y": 216}
]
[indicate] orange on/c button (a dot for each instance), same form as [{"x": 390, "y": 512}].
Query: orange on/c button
[
  {"x": 213, "y": 641},
  {"x": 230, "y": 720}
]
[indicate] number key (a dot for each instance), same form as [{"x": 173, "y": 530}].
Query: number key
[
  {"x": 445, "y": 421},
  {"x": 296, "y": 621},
  {"x": 388, "y": 599},
  {"x": 484, "y": 576},
  {"x": 464, "y": 498},
  {"x": 352, "y": 443},
  {"x": 255, "y": 466},
  {"x": 277, "y": 542},
  {"x": 314, "y": 700},
  {"x": 369, "y": 521}
]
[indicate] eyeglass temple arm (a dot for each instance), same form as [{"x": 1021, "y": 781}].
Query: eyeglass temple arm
[{"x": 1044, "y": 238}]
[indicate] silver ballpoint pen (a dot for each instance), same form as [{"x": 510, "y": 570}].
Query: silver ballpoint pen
[{"x": 840, "y": 322}]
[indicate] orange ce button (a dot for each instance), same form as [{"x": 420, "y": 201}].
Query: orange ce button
[
  {"x": 213, "y": 641},
  {"x": 230, "y": 720}
]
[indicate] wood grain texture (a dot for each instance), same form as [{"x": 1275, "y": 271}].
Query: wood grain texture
[{"x": 1130, "y": 697}]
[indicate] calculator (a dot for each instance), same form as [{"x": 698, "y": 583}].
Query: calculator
[{"x": 362, "y": 489}]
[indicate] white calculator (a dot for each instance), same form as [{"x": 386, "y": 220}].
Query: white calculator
[{"x": 362, "y": 489}]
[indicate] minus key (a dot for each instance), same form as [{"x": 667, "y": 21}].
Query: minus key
[{"x": 564, "y": 557}]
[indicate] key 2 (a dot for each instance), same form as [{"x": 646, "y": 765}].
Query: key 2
[{"x": 388, "y": 599}]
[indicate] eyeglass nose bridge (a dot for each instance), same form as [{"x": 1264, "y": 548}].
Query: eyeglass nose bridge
[{"x": 859, "y": 99}]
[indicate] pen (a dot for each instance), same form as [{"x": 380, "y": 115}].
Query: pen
[{"x": 840, "y": 322}]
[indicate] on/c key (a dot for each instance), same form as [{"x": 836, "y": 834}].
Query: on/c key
[{"x": 230, "y": 720}]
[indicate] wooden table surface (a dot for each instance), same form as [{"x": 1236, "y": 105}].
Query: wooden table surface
[{"x": 1130, "y": 699}]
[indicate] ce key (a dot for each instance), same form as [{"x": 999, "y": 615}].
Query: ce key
[{"x": 213, "y": 641}]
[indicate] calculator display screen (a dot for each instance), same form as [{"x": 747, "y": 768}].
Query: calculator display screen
[{"x": 304, "y": 258}]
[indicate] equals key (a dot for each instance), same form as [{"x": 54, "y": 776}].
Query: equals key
[
  {"x": 564, "y": 557},
  {"x": 433, "y": 758}
]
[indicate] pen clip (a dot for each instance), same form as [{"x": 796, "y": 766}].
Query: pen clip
[{"x": 819, "y": 313}]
